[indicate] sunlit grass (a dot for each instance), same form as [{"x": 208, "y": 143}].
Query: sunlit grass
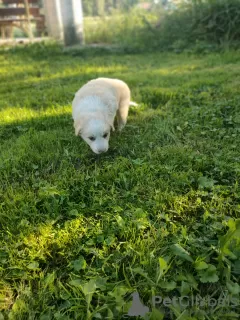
[{"x": 15, "y": 115}]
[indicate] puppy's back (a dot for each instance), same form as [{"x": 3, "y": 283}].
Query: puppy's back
[
  {"x": 106, "y": 88},
  {"x": 121, "y": 88}
]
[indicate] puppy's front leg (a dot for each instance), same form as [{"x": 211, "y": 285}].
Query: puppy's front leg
[{"x": 122, "y": 114}]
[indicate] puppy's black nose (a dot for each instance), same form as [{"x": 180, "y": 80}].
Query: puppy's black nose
[{"x": 101, "y": 151}]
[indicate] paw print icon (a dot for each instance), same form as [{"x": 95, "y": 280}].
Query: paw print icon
[{"x": 137, "y": 308}]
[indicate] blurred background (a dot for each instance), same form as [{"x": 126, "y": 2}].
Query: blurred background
[{"x": 132, "y": 25}]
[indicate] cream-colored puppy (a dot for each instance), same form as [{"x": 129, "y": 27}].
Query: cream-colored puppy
[{"x": 95, "y": 106}]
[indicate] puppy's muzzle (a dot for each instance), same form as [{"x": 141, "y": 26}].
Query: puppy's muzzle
[{"x": 98, "y": 151}]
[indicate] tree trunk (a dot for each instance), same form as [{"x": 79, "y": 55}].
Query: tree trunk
[{"x": 72, "y": 18}]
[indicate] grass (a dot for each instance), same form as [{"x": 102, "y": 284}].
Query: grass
[
  {"x": 157, "y": 214},
  {"x": 129, "y": 30}
]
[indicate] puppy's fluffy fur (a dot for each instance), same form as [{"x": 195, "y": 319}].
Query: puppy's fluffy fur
[{"x": 95, "y": 106}]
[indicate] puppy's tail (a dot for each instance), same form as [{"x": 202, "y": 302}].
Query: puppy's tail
[{"x": 134, "y": 104}]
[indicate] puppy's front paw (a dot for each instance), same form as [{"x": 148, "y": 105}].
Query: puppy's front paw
[{"x": 120, "y": 127}]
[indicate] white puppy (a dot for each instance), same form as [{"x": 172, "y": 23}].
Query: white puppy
[{"x": 95, "y": 106}]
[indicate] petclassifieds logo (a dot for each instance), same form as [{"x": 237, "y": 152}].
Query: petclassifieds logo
[{"x": 137, "y": 308}]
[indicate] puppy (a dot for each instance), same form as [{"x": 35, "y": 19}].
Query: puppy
[{"x": 94, "y": 108}]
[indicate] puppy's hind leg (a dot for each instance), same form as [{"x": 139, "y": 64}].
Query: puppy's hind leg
[{"x": 122, "y": 114}]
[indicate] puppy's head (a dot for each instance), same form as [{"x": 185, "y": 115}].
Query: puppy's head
[{"x": 95, "y": 132}]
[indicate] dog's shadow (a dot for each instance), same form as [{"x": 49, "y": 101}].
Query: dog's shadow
[
  {"x": 91, "y": 158},
  {"x": 111, "y": 154}
]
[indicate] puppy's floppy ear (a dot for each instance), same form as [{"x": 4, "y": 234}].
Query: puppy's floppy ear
[{"x": 112, "y": 127}]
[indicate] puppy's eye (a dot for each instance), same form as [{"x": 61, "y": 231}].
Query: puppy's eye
[
  {"x": 105, "y": 135},
  {"x": 92, "y": 138}
]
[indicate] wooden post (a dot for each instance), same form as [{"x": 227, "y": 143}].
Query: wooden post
[
  {"x": 3, "y": 32},
  {"x": 30, "y": 34},
  {"x": 72, "y": 18}
]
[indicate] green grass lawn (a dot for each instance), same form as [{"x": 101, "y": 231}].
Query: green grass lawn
[{"x": 157, "y": 214}]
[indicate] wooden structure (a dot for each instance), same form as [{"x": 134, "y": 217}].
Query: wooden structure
[{"x": 20, "y": 14}]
